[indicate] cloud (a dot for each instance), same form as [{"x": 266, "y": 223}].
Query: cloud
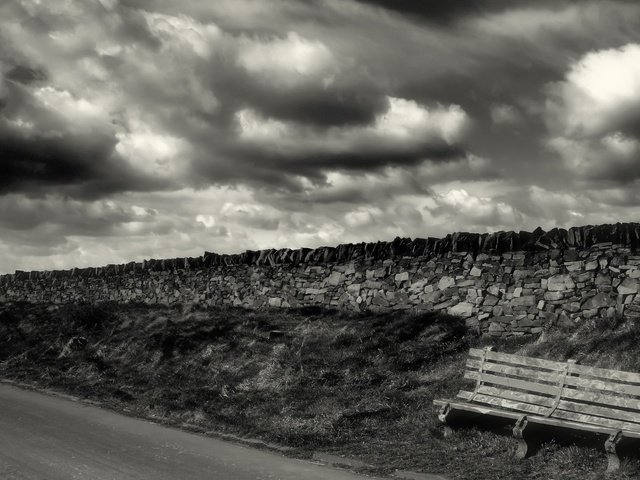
[
  {"x": 600, "y": 94},
  {"x": 474, "y": 210},
  {"x": 282, "y": 59},
  {"x": 505, "y": 115},
  {"x": 594, "y": 113},
  {"x": 132, "y": 129},
  {"x": 613, "y": 157},
  {"x": 405, "y": 134},
  {"x": 49, "y": 138}
]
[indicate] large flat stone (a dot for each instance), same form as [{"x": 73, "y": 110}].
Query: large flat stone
[
  {"x": 628, "y": 286},
  {"x": 560, "y": 283},
  {"x": 462, "y": 309},
  {"x": 446, "y": 282}
]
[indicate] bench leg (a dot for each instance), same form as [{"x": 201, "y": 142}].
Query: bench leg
[
  {"x": 443, "y": 416},
  {"x": 611, "y": 447},
  {"x": 528, "y": 437}
]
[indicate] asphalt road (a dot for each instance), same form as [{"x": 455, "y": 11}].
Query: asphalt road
[{"x": 43, "y": 437}]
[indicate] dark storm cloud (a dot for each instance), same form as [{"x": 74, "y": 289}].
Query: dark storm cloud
[
  {"x": 347, "y": 104},
  {"x": 24, "y": 74},
  {"x": 445, "y": 12},
  {"x": 368, "y": 160},
  {"x": 40, "y": 150},
  {"x": 441, "y": 11},
  {"x": 74, "y": 217}
]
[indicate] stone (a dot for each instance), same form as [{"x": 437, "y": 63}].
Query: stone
[
  {"x": 462, "y": 309},
  {"x": 573, "y": 266},
  {"x": 334, "y": 279},
  {"x": 553, "y": 296},
  {"x": 559, "y": 283},
  {"x": 475, "y": 272},
  {"x": 496, "y": 327},
  {"x": 564, "y": 321},
  {"x": 401, "y": 277},
  {"x": 494, "y": 290},
  {"x": 275, "y": 302},
  {"x": 591, "y": 265},
  {"x": 572, "y": 307},
  {"x": 490, "y": 301},
  {"x": 599, "y": 300},
  {"x": 602, "y": 280},
  {"x": 446, "y": 282},
  {"x": 526, "y": 301},
  {"x": 628, "y": 286}
]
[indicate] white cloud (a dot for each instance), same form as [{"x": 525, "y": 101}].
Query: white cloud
[
  {"x": 180, "y": 31},
  {"x": 362, "y": 217},
  {"x": 610, "y": 157},
  {"x": 479, "y": 212},
  {"x": 281, "y": 57},
  {"x": 404, "y": 126},
  {"x": 600, "y": 94},
  {"x": 156, "y": 154}
]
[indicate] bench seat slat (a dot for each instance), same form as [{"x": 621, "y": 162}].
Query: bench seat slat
[
  {"x": 504, "y": 403},
  {"x": 482, "y": 409},
  {"x": 524, "y": 372},
  {"x": 518, "y": 359},
  {"x": 559, "y": 414},
  {"x": 547, "y": 402},
  {"x": 532, "y": 398},
  {"x": 486, "y": 410}
]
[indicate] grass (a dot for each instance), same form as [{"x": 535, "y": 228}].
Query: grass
[{"x": 355, "y": 385}]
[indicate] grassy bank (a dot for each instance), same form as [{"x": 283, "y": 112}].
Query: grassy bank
[{"x": 357, "y": 385}]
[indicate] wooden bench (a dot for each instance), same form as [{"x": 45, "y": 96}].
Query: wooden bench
[{"x": 541, "y": 396}]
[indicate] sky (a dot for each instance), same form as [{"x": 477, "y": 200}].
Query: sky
[{"x": 134, "y": 129}]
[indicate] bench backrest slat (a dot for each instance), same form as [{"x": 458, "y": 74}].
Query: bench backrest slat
[
  {"x": 602, "y": 398},
  {"x": 523, "y": 372},
  {"x": 582, "y": 383},
  {"x": 554, "y": 377},
  {"x": 512, "y": 382},
  {"x": 631, "y": 377},
  {"x": 617, "y": 375},
  {"x": 518, "y": 359}
]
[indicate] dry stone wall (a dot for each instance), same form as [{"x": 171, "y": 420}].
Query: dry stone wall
[{"x": 503, "y": 284}]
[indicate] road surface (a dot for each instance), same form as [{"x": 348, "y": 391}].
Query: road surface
[{"x": 43, "y": 437}]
